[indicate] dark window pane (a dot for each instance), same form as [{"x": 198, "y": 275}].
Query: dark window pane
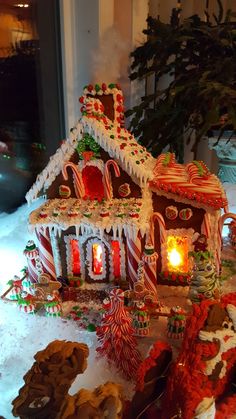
[{"x": 31, "y": 103}]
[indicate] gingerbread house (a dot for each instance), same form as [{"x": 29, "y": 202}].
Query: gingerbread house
[{"x": 112, "y": 211}]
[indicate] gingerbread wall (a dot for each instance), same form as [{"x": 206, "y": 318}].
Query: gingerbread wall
[
  {"x": 160, "y": 203},
  {"x": 53, "y": 190}
]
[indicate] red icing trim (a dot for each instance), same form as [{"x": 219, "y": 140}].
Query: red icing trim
[{"x": 117, "y": 97}]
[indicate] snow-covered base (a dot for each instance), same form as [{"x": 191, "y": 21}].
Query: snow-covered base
[{"x": 21, "y": 334}]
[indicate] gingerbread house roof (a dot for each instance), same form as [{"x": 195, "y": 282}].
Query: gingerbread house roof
[
  {"x": 103, "y": 121},
  {"x": 192, "y": 181},
  {"x": 118, "y": 142},
  {"x": 122, "y": 215}
]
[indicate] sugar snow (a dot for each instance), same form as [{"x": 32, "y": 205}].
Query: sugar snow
[{"x": 22, "y": 335}]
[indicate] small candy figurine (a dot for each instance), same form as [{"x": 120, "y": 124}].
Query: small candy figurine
[
  {"x": 176, "y": 323},
  {"x": 200, "y": 245},
  {"x": 141, "y": 319},
  {"x": 53, "y": 307},
  {"x": 26, "y": 303}
]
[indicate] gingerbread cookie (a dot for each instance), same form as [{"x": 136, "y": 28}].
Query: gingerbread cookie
[{"x": 48, "y": 381}]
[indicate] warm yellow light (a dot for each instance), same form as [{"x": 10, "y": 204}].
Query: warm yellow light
[
  {"x": 177, "y": 254},
  {"x": 21, "y": 5},
  {"x": 175, "y": 258},
  {"x": 97, "y": 259}
]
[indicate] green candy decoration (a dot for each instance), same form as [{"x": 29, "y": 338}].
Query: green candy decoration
[
  {"x": 88, "y": 144},
  {"x": 91, "y": 327}
]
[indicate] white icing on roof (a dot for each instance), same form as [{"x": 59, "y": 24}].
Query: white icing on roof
[
  {"x": 122, "y": 146},
  {"x": 55, "y": 165},
  {"x": 118, "y": 142},
  {"x": 117, "y": 215}
]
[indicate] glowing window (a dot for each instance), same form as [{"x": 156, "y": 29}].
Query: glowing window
[
  {"x": 75, "y": 257},
  {"x": 97, "y": 259},
  {"x": 115, "y": 245},
  {"x": 177, "y": 254}
]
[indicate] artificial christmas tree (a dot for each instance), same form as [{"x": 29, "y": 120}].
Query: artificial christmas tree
[{"x": 116, "y": 336}]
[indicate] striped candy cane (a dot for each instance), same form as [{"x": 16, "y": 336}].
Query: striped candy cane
[
  {"x": 45, "y": 251},
  {"x": 219, "y": 237},
  {"x": 78, "y": 181},
  {"x": 197, "y": 170},
  {"x": 133, "y": 257},
  {"x": 33, "y": 261},
  {"x": 150, "y": 273},
  {"x": 206, "y": 226},
  {"x": 107, "y": 178},
  {"x": 162, "y": 226},
  {"x": 93, "y": 106}
]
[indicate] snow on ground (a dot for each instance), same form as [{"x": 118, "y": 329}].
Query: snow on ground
[{"x": 21, "y": 335}]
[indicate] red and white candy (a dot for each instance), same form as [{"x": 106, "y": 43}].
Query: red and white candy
[
  {"x": 27, "y": 308},
  {"x": 124, "y": 190},
  {"x": 185, "y": 214},
  {"x": 107, "y": 177},
  {"x": 171, "y": 212}
]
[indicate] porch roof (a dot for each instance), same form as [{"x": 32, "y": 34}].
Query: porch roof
[
  {"x": 192, "y": 181},
  {"x": 120, "y": 215}
]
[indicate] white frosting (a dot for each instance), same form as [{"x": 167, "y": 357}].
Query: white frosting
[
  {"x": 121, "y": 149},
  {"x": 224, "y": 344},
  {"x": 95, "y": 223},
  {"x": 55, "y": 165}
]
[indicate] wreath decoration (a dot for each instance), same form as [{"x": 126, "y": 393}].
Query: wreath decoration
[{"x": 88, "y": 145}]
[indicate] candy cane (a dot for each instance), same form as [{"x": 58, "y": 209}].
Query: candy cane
[
  {"x": 219, "y": 237},
  {"x": 45, "y": 251},
  {"x": 93, "y": 106},
  {"x": 78, "y": 181},
  {"x": 206, "y": 226},
  {"x": 197, "y": 171},
  {"x": 162, "y": 226},
  {"x": 133, "y": 257},
  {"x": 150, "y": 273},
  {"x": 107, "y": 177},
  {"x": 33, "y": 261}
]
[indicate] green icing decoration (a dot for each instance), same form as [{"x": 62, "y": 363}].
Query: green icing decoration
[
  {"x": 51, "y": 304},
  {"x": 97, "y": 87},
  {"x": 21, "y": 301},
  {"x": 201, "y": 169},
  {"x": 88, "y": 144},
  {"x": 200, "y": 255},
  {"x": 111, "y": 85},
  {"x": 166, "y": 160},
  {"x": 141, "y": 312}
]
